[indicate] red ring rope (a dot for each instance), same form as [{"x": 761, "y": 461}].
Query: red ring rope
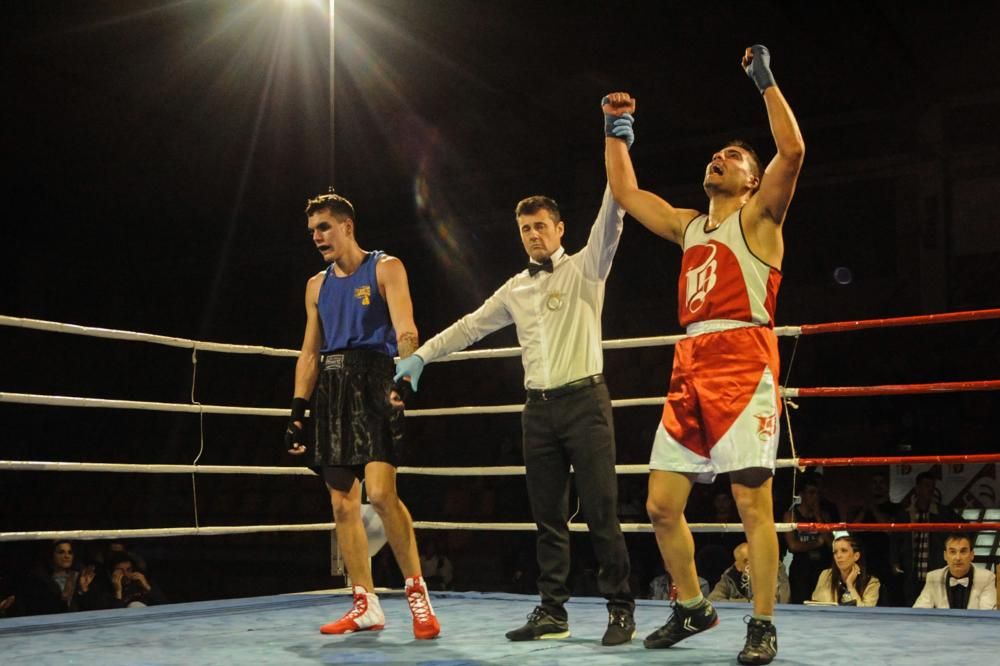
[
  {"x": 900, "y": 460},
  {"x": 891, "y": 389},
  {"x": 897, "y": 527},
  {"x": 918, "y": 320}
]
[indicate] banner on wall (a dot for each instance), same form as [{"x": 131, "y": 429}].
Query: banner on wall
[{"x": 960, "y": 486}]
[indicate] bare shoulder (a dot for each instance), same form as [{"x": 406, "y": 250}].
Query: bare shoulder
[
  {"x": 315, "y": 282},
  {"x": 389, "y": 266}
]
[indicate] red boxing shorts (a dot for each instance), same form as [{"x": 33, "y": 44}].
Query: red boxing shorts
[{"x": 722, "y": 410}]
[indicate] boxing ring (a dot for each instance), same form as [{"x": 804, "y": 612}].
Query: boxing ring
[{"x": 283, "y": 629}]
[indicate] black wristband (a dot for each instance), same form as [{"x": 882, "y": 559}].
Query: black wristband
[{"x": 299, "y": 407}]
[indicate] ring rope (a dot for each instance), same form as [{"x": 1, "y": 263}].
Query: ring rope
[
  {"x": 499, "y": 470},
  {"x": 916, "y": 320},
  {"x": 891, "y": 389},
  {"x": 326, "y": 527},
  {"x": 499, "y": 527},
  {"x": 198, "y": 408},
  {"x": 898, "y": 527},
  {"x": 900, "y": 460},
  {"x": 781, "y": 331}
]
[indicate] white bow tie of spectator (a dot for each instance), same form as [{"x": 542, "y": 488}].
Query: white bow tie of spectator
[{"x": 964, "y": 582}]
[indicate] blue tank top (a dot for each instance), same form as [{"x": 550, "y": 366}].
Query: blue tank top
[{"x": 353, "y": 313}]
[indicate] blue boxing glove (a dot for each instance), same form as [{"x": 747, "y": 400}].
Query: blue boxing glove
[
  {"x": 619, "y": 126},
  {"x": 411, "y": 366},
  {"x": 758, "y": 67}
]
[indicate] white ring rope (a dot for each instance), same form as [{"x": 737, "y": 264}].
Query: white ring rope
[
  {"x": 194, "y": 407},
  {"x": 326, "y": 527},
  {"x": 501, "y": 352},
  {"x": 132, "y": 468}
]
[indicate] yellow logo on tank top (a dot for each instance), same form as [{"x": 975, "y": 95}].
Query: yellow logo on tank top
[{"x": 364, "y": 294}]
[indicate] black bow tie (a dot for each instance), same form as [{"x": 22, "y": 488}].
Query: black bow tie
[{"x": 544, "y": 266}]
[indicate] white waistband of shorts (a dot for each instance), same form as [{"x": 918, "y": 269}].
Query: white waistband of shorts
[{"x": 715, "y": 325}]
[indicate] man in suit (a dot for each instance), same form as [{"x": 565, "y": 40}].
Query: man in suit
[{"x": 960, "y": 584}]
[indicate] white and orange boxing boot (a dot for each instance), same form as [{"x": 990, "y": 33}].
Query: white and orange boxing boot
[
  {"x": 365, "y": 615},
  {"x": 425, "y": 623}
]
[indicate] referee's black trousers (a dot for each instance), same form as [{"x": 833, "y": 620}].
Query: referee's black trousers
[{"x": 575, "y": 429}]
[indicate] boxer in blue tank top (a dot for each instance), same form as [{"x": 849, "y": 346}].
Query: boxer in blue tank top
[{"x": 358, "y": 317}]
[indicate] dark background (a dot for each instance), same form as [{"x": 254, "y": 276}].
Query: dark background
[{"x": 158, "y": 156}]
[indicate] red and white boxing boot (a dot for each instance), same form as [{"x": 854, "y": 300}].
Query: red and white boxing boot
[
  {"x": 366, "y": 615},
  {"x": 425, "y": 623}
]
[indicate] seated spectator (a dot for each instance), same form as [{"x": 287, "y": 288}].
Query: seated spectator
[
  {"x": 848, "y": 582},
  {"x": 51, "y": 586},
  {"x": 662, "y": 587},
  {"x": 736, "y": 584},
  {"x": 810, "y": 550},
  {"x": 9, "y": 605},
  {"x": 93, "y": 587},
  {"x": 116, "y": 546},
  {"x": 130, "y": 587},
  {"x": 920, "y": 552},
  {"x": 713, "y": 549},
  {"x": 435, "y": 566},
  {"x": 881, "y": 548},
  {"x": 960, "y": 584}
]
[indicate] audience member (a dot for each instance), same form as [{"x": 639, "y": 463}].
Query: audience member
[
  {"x": 9, "y": 604},
  {"x": 736, "y": 584},
  {"x": 923, "y": 551},
  {"x": 435, "y": 565},
  {"x": 714, "y": 548},
  {"x": 50, "y": 586},
  {"x": 881, "y": 549},
  {"x": 130, "y": 587},
  {"x": 960, "y": 584},
  {"x": 810, "y": 551},
  {"x": 662, "y": 587},
  {"x": 848, "y": 582}
]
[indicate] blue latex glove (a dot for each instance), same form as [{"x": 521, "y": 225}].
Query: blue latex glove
[
  {"x": 759, "y": 68},
  {"x": 619, "y": 127},
  {"x": 411, "y": 367}
]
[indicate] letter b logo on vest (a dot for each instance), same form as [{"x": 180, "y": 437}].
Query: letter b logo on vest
[
  {"x": 701, "y": 279},
  {"x": 364, "y": 294}
]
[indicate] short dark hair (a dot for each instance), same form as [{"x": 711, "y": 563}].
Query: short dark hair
[
  {"x": 958, "y": 536},
  {"x": 926, "y": 475},
  {"x": 755, "y": 165},
  {"x": 334, "y": 203},
  {"x": 533, "y": 204}
]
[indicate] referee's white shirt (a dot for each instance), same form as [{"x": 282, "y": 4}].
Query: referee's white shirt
[{"x": 557, "y": 314}]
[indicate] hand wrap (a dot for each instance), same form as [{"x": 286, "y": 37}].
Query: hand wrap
[{"x": 294, "y": 435}]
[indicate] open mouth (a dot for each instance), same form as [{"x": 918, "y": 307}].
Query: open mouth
[
  {"x": 323, "y": 248},
  {"x": 716, "y": 169}
]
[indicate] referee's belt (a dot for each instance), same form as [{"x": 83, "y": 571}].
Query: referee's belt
[{"x": 541, "y": 395}]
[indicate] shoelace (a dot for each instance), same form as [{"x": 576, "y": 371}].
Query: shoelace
[
  {"x": 620, "y": 618},
  {"x": 757, "y": 633},
  {"x": 360, "y": 608},
  {"x": 418, "y": 606}
]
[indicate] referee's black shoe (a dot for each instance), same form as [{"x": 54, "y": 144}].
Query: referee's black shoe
[
  {"x": 621, "y": 627},
  {"x": 540, "y": 626}
]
